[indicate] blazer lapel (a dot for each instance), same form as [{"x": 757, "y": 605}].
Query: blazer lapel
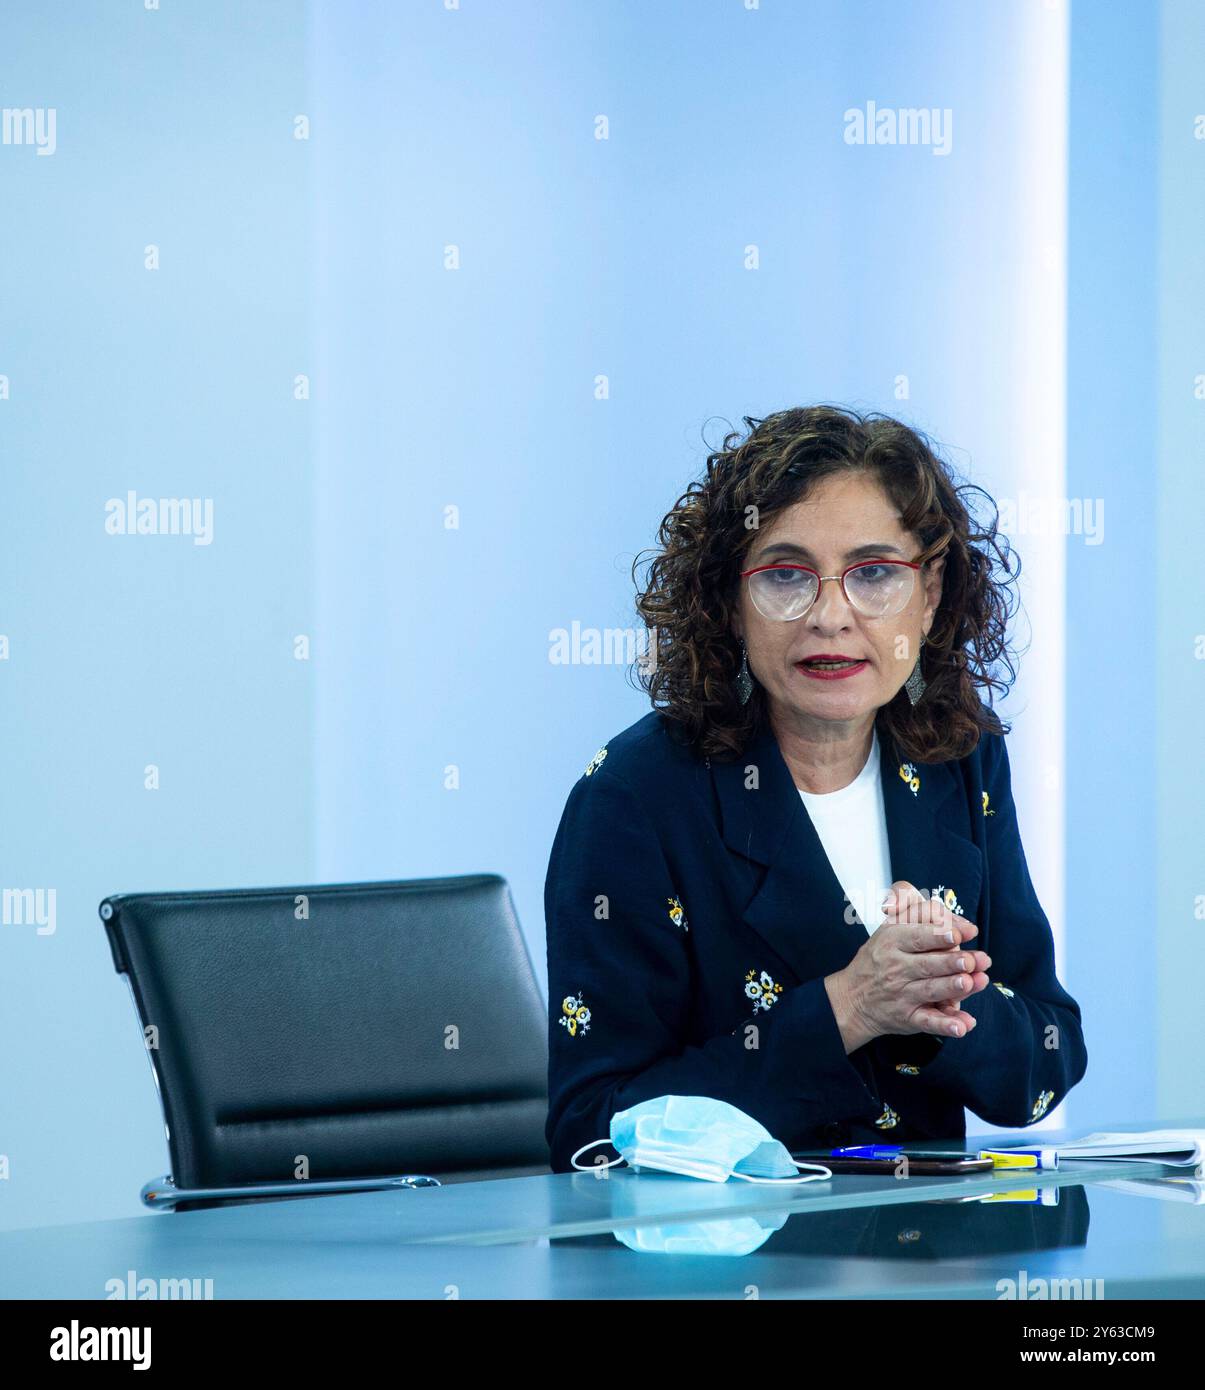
[
  {"x": 799, "y": 907},
  {"x": 927, "y": 820}
]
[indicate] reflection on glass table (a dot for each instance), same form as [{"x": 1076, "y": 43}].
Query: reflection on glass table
[{"x": 1038, "y": 1218}]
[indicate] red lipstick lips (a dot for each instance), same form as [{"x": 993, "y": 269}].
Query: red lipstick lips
[{"x": 830, "y": 666}]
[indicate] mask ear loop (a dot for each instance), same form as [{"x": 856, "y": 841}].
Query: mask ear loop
[
  {"x": 818, "y": 1173},
  {"x": 593, "y": 1167}
]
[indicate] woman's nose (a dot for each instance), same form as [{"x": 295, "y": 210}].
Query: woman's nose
[{"x": 831, "y": 608}]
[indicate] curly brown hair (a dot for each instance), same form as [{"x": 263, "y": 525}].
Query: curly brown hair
[{"x": 692, "y": 586}]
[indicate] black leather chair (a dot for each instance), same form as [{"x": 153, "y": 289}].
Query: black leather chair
[{"x": 354, "y": 1035}]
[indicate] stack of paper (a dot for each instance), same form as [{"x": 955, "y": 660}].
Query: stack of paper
[{"x": 1182, "y": 1148}]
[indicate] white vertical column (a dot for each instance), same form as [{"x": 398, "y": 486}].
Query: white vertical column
[{"x": 1038, "y": 376}]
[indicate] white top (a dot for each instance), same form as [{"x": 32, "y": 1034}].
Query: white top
[{"x": 852, "y": 826}]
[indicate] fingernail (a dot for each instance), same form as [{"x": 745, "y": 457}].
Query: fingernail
[
  {"x": 944, "y": 934},
  {"x": 963, "y": 963},
  {"x": 889, "y": 900},
  {"x": 955, "y": 1030}
]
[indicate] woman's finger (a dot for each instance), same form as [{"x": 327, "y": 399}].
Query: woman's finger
[
  {"x": 933, "y": 1021},
  {"x": 931, "y": 964},
  {"x": 912, "y": 938},
  {"x": 930, "y": 991},
  {"x": 905, "y": 902},
  {"x": 946, "y": 928},
  {"x": 941, "y": 915}
]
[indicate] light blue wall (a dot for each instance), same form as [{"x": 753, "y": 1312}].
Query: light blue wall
[
  {"x": 476, "y": 389},
  {"x": 175, "y": 129},
  {"x": 1177, "y": 905}
]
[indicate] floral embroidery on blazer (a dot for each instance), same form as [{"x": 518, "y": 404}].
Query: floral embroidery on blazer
[
  {"x": 888, "y": 1119},
  {"x": 761, "y": 989},
  {"x": 676, "y": 914},
  {"x": 574, "y": 1015},
  {"x": 595, "y": 762},
  {"x": 948, "y": 897},
  {"x": 986, "y": 812},
  {"x": 910, "y": 775},
  {"x": 1041, "y": 1105},
  {"x": 1004, "y": 990},
  {"x": 905, "y": 1070}
]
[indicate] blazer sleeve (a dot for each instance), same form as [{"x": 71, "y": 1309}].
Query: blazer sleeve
[
  {"x": 621, "y": 992},
  {"x": 1027, "y": 1048}
]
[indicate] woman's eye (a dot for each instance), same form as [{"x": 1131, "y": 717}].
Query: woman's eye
[
  {"x": 874, "y": 574},
  {"x": 785, "y": 577}
]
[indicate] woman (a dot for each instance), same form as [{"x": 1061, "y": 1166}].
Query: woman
[{"x": 798, "y": 884}]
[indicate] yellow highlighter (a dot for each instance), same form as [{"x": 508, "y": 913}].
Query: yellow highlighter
[{"x": 1021, "y": 1158}]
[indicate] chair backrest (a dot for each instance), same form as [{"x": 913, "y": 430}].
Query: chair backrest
[{"x": 337, "y": 1031}]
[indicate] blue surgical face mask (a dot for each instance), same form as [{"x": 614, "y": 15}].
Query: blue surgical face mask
[{"x": 699, "y": 1137}]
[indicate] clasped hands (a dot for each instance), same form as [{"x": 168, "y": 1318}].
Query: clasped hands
[{"x": 911, "y": 975}]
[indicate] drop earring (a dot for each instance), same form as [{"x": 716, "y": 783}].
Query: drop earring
[
  {"x": 744, "y": 681},
  {"x": 915, "y": 684}
]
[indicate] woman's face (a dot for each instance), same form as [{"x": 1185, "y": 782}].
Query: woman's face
[{"x": 845, "y": 518}]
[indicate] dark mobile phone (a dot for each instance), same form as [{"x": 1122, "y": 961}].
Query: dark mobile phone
[{"x": 920, "y": 1162}]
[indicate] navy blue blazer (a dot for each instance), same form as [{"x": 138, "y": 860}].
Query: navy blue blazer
[{"x": 692, "y": 915}]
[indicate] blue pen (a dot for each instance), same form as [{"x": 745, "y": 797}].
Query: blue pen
[{"x": 868, "y": 1151}]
